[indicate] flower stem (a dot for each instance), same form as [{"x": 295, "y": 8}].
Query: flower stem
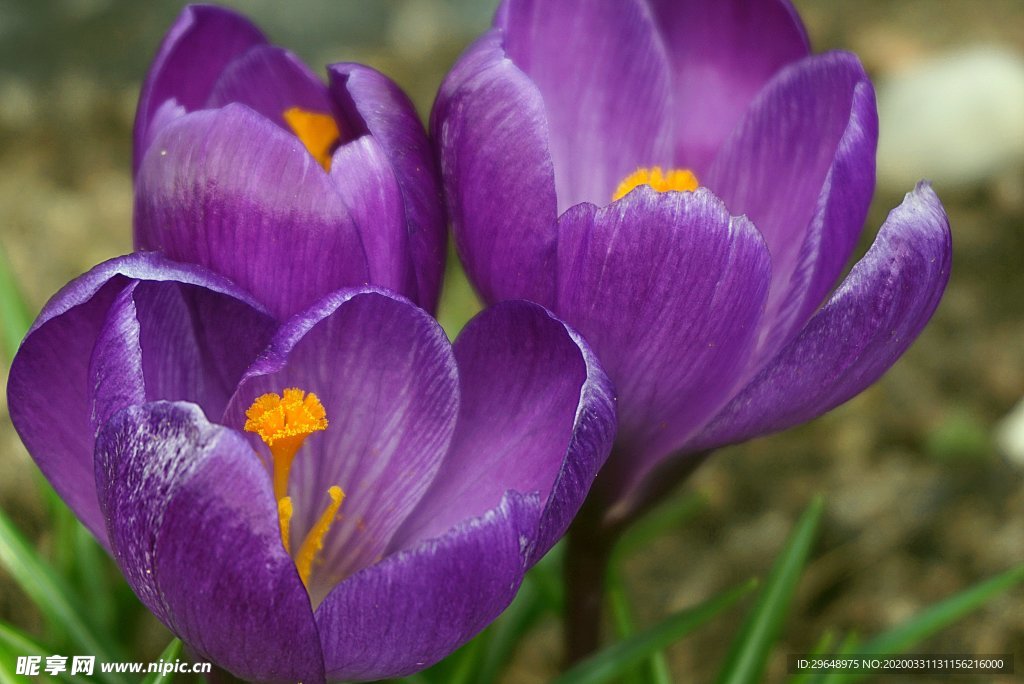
[
  {"x": 590, "y": 544},
  {"x": 586, "y": 568}
]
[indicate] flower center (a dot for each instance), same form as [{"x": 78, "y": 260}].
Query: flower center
[
  {"x": 683, "y": 180},
  {"x": 319, "y": 132},
  {"x": 284, "y": 422}
]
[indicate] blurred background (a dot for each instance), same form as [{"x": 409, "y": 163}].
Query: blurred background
[{"x": 923, "y": 474}]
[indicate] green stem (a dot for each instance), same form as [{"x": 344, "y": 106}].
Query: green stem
[{"x": 591, "y": 541}]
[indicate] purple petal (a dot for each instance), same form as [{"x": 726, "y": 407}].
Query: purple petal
[
  {"x": 417, "y": 606},
  {"x": 193, "y": 526},
  {"x": 368, "y": 187},
  {"x": 536, "y": 410},
  {"x": 840, "y": 212},
  {"x": 167, "y": 340},
  {"x": 593, "y": 436},
  {"x": 116, "y": 376},
  {"x": 801, "y": 167},
  {"x": 270, "y": 80},
  {"x": 164, "y": 114},
  {"x": 603, "y": 73},
  {"x": 367, "y": 95},
  {"x": 668, "y": 290},
  {"x": 49, "y": 390},
  {"x": 491, "y": 131},
  {"x": 722, "y": 54},
  {"x": 385, "y": 373},
  {"x": 202, "y": 41},
  {"x": 231, "y": 191},
  {"x": 873, "y": 318}
]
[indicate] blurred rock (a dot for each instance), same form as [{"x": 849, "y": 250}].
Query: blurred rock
[
  {"x": 957, "y": 119},
  {"x": 1010, "y": 435}
]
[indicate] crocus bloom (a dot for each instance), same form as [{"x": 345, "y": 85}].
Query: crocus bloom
[
  {"x": 248, "y": 164},
  {"x": 683, "y": 182},
  {"x": 343, "y": 496}
]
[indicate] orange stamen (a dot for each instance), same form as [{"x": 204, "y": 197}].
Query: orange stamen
[
  {"x": 318, "y": 131},
  {"x": 682, "y": 180},
  {"x": 314, "y": 541}
]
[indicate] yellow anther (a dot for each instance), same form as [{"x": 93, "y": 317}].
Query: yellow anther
[
  {"x": 284, "y": 422},
  {"x": 284, "y": 517},
  {"x": 676, "y": 179},
  {"x": 318, "y": 131},
  {"x": 314, "y": 540}
]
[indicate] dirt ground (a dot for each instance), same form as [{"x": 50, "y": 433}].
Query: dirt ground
[{"x": 920, "y": 501}]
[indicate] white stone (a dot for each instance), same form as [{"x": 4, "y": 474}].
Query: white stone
[
  {"x": 1009, "y": 434},
  {"x": 957, "y": 119}
]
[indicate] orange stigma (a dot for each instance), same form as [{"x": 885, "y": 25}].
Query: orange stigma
[
  {"x": 318, "y": 131},
  {"x": 284, "y": 421},
  {"x": 284, "y": 519},
  {"x": 682, "y": 180}
]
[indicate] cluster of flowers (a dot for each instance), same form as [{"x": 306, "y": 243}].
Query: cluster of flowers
[{"x": 656, "y": 197}]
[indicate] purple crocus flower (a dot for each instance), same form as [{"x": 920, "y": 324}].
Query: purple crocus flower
[
  {"x": 346, "y": 495},
  {"x": 246, "y": 163},
  {"x": 683, "y": 182}
]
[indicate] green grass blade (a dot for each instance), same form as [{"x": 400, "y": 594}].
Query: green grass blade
[
  {"x": 9, "y": 674},
  {"x": 8, "y": 666},
  {"x": 60, "y": 515},
  {"x": 16, "y": 643},
  {"x": 540, "y": 594},
  {"x": 942, "y": 614},
  {"x": 170, "y": 654},
  {"x": 656, "y": 523},
  {"x": 932, "y": 620},
  {"x": 62, "y": 559},
  {"x": 62, "y": 550},
  {"x": 849, "y": 646},
  {"x": 622, "y": 617},
  {"x": 752, "y": 645},
  {"x": 412, "y": 679},
  {"x": 620, "y": 657},
  {"x": 20, "y": 643},
  {"x": 461, "y": 665},
  {"x": 7, "y": 660},
  {"x": 657, "y": 671},
  {"x": 466, "y": 666},
  {"x": 46, "y": 590},
  {"x": 820, "y": 648},
  {"x": 14, "y": 316},
  {"x": 93, "y": 579}
]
